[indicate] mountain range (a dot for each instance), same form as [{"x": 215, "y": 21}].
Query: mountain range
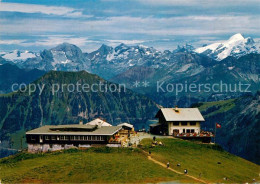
[
  {"x": 234, "y": 60},
  {"x": 109, "y": 62}
]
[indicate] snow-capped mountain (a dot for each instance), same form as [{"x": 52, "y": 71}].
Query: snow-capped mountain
[
  {"x": 128, "y": 64},
  {"x": 236, "y": 46},
  {"x": 16, "y": 55},
  {"x": 123, "y": 52},
  {"x": 108, "y": 61},
  {"x": 64, "y": 57}
]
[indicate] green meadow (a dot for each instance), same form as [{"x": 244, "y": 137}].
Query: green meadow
[
  {"x": 95, "y": 165},
  {"x": 125, "y": 165},
  {"x": 206, "y": 161}
]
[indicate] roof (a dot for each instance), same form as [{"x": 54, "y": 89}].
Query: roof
[
  {"x": 154, "y": 124},
  {"x": 126, "y": 124},
  {"x": 76, "y": 126},
  {"x": 75, "y": 130},
  {"x": 181, "y": 114},
  {"x": 98, "y": 121}
]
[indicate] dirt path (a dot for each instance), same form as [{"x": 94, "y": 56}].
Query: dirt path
[{"x": 173, "y": 170}]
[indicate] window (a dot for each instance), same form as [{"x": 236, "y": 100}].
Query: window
[
  {"x": 47, "y": 137},
  {"x": 176, "y": 123},
  {"x": 72, "y": 137},
  {"x": 188, "y": 130},
  {"x": 183, "y": 131},
  {"x": 62, "y": 137},
  {"x": 98, "y": 138},
  {"x": 81, "y": 137},
  {"x": 192, "y": 123},
  {"x": 32, "y": 138},
  {"x": 184, "y": 123},
  {"x": 53, "y": 137},
  {"x": 66, "y": 137},
  {"x": 192, "y": 131},
  {"x": 76, "y": 137}
]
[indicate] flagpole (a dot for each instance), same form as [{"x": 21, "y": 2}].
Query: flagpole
[{"x": 215, "y": 133}]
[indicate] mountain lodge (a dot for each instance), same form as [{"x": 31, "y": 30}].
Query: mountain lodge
[
  {"x": 180, "y": 122},
  {"x": 58, "y": 137}
]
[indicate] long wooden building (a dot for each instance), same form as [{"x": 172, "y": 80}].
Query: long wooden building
[{"x": 57, "y": 137}]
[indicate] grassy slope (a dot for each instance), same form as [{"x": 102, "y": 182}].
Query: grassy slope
[
  {"x": 202, "y": 158},
  {"x": 221, "y": 106},
  {"x": 94, "y": 165}
]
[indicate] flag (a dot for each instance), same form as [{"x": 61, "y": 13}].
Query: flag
[{"x": 218, "y": 125}]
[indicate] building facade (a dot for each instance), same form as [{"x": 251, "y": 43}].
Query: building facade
[
  {"x": 174, "y": 121},
  {"x": 57, "y": 137}
]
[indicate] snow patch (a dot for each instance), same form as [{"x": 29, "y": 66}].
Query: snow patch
[
  {"x": 18, "y": 56},
  {"x": 59, "y": 57},
  {"x": 111, "y": 56},
  {"x": 184, "y": 68}
]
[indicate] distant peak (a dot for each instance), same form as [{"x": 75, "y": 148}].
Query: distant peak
[
  {"x": 65, "y": 46},
  {"x": 184, "y": 48},
  {"x": 236, "y": 37},
  {"x": 122, "y": 45},
  {"x": 105, "y": 48},
  {"x": 143, "y": 46}
]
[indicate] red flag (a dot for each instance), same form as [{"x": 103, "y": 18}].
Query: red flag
[{"x": 218, "y": 125}]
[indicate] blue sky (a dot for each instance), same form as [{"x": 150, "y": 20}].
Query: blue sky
[{"x": 163, "y": 24}]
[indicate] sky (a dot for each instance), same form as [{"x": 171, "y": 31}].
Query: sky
[{"x": 163, "y": 24}]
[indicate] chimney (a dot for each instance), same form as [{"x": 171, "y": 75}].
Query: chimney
[
  {"x": 81, "y": 122},
  {"x": 176, "y": 109},
  {"x": 99, "y": 124}
]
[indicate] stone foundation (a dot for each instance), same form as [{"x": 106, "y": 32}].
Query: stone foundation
[{"x": 39, "y": 148}]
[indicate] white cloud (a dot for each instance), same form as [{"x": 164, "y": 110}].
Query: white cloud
[
  {"x": 11, "y": 42},
  {"x": 181, "y": 25},
  {"x": 201, "y": 3},
  {"x": 127, "y": 42},
  {"x": 49, "y": 10},
  {"x": 55, "y": 40},
  {"x": 49, "y": 41}
]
